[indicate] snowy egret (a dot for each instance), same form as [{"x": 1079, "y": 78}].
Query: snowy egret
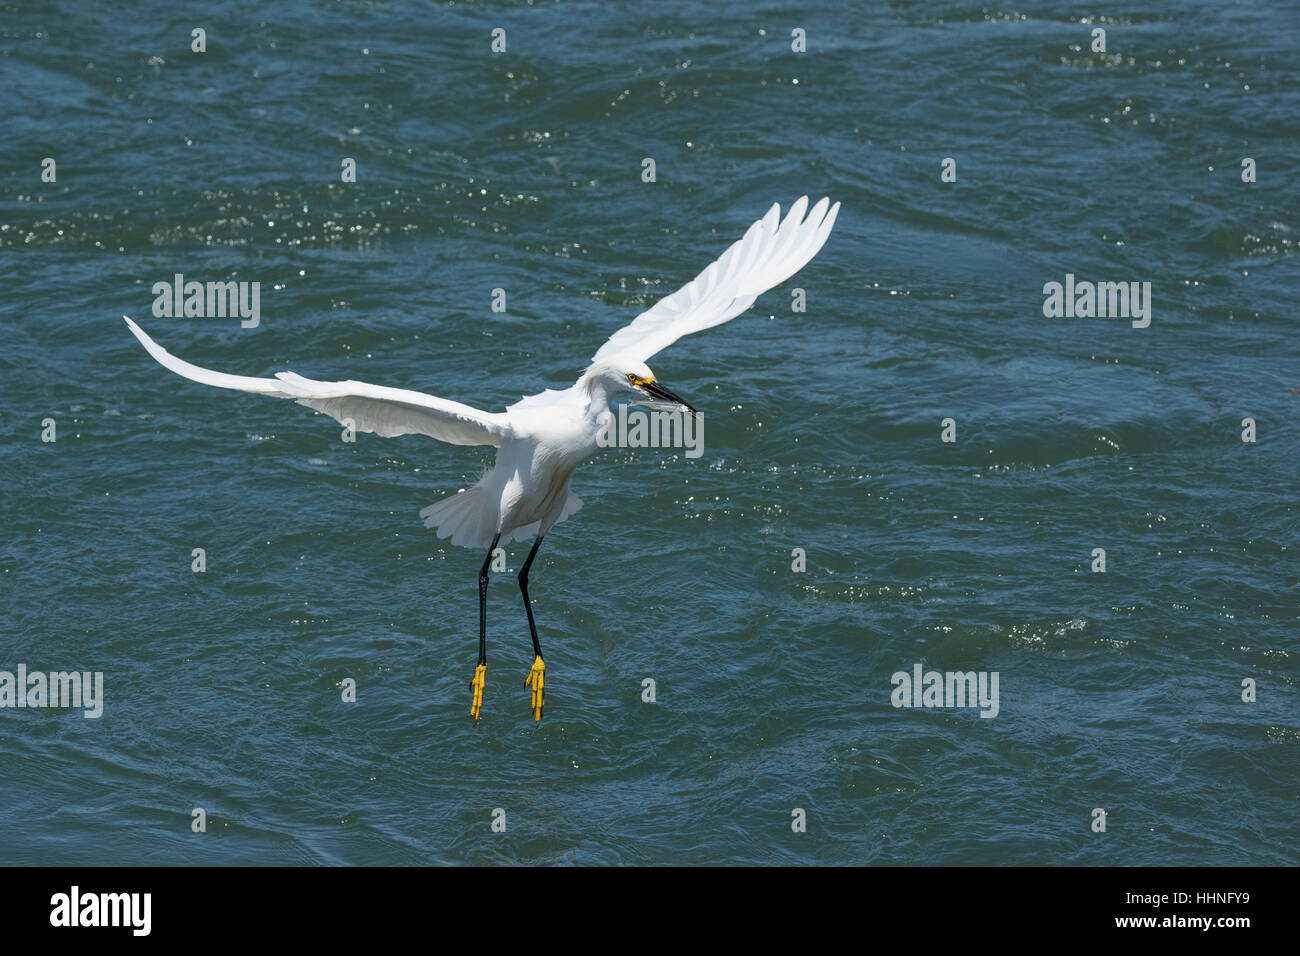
[{"x": 542, "y": 438}]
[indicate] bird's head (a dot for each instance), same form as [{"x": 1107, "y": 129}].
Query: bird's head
[
  {"x": 606, "y": 379},
  {"x": 636, "y": 376}
]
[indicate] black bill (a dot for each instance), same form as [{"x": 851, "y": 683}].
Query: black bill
[{"x": 655, "y": 390}]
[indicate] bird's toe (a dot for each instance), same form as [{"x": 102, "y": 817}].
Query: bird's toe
[
  {"x": 536, "y": 679},
  {"x": 476, "y": 685}
]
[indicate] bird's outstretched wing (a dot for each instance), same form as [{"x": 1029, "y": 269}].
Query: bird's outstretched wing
[
  {"x": 372, "y": 408},
  {"x": 771, "y": 251}
]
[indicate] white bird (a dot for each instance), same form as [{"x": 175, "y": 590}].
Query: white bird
[{"x": 542, "y": 438}]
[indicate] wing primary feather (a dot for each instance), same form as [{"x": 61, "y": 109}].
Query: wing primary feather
[
  {"x": 771, "y": 251},
  {"x": 370, "y": 408}
]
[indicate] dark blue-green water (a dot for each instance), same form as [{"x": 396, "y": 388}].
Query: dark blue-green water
[{"x": 522, "y": 171}]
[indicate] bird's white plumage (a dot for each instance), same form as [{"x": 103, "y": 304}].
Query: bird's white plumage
[
  {"x": 771, "y": 251},
  {"x": 543, "y": 437},
  {"x": 386, "y": 412}
]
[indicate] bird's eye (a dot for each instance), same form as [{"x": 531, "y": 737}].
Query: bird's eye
[{"x": 631, "y": 378}]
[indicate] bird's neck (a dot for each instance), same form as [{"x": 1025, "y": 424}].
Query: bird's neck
[{"x": 595, "y": 387}]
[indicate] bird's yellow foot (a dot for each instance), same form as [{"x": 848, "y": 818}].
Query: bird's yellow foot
[
  {"x": 536, "y": 679},
  {"x": 476, "y": 685}
]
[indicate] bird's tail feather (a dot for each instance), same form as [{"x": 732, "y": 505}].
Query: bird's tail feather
[{"x": 469, "y": 518}]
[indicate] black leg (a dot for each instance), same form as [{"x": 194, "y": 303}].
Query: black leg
[
  {"x": 480, "y": 672},
  {"x": 523, "y": 589},
  {"x": 482, "y": 600},
  {"x": 536, "y": 678}
]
